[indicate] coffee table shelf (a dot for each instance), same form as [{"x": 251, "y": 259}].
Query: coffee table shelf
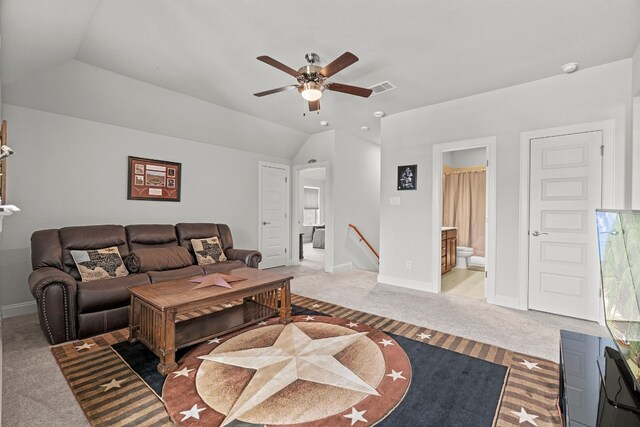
[{"x": 193, "y": 331}]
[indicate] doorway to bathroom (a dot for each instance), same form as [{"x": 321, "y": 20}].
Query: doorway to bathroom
[{"x": 464, "y": 218}]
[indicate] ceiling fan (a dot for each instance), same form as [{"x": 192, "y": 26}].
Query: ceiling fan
[{"x": 312, "y": 79}]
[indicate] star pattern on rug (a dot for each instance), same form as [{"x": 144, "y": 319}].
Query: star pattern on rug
[
  {"x": 184, "y": 372},
  {"x": 114, "y": 383},
  {"x": 263, "y": 323},
  {"x": 84, "y": 346},
  {"x": 530, "y": 365},
  {"x": 315, "y": 306},
  {"x": 215, "y": 340},
  {"x": 228, "y": 305},
  {"x": 293, "y": 356},
  {"x": 356, "y": 416},
  {"x": 525, "y": 417},
  {"x": 423, "y": 336},
  {"x": 194, "y": 412},
  {"x": 385, "y": 342},
  {"x": 352, "y": 325},
  {"x": 396, "y": 375},
  {"x": 309, "y": 318}
]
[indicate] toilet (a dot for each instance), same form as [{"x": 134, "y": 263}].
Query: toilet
[{"x": 462, "y": 254}]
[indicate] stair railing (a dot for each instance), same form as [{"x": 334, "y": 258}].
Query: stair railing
[{"x": 363, "y": 239}]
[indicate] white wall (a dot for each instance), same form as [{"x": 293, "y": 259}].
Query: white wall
[
  {"x": 355, "y": 171},
  {"x": 636, "y": 72},
  {"x": 635, "y": 88},
  {"x": 319, "y": 146},
  {"x": 590, "y": 95},
  {"x": 356, "y": 200},
  {"x": 467, "y": 158},
  {"x": 69, "y": 171}
]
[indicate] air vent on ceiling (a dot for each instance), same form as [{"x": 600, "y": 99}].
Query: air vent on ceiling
[{"x": 381, "y": 88}]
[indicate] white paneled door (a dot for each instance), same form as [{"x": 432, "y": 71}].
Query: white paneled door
[
  {"x": 565, "y": 190},
  {"x": 273, "y": 231}
]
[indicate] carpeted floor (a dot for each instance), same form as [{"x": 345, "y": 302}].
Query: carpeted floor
[
  {"x": 35, "y": 391},
  {"x": 529, "y": 389}
]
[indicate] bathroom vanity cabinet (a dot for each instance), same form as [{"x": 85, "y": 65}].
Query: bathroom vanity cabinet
[{"x": 449, "y": 245}]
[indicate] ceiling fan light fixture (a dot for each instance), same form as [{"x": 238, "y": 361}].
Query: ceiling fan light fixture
[{"x": 311, "y": 91}]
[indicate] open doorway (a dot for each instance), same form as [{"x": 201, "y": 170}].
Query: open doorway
[
  {"x": 464, "y": 220},
  {"x": 312, "y": 213},
  {"x": 464, "y": 266}
]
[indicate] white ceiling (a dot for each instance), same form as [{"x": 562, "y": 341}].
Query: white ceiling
[{"x": 433, "y": 51}]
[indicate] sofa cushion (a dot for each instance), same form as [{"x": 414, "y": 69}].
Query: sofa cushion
[
  {"x": 151, "y": 236},
  {"x": 97, "y": 264},
  {"x": 143, "y": 260},
  {"x": 180, "y": 273},
  {"x": 90, "y": 237},
  {"x": 100, "y": 295},
  {"x": 208, "y": 251},
  {"x": 220, "y": 267}
]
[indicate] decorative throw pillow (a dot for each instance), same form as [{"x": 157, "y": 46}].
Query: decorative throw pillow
[
  {"x": 208, "y": 251},
  {"x": 96, "y": 264}
]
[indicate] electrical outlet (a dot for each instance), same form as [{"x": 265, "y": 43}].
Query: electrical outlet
[{"x": 409, "y": 265}]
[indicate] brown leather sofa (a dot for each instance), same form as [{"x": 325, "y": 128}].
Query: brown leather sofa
[{"x": 71, "y": 309}]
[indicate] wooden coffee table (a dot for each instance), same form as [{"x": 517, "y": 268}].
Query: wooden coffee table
[{"x": 157, "y": 312}]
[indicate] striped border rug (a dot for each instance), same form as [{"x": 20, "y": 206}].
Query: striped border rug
[{"x": 529, "y": 397}]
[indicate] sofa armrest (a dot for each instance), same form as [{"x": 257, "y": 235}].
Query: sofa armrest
[
  {"x": 248, "y": 256},
  {"x": 55, "y": 294}
]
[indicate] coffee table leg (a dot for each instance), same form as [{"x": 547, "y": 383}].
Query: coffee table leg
[
  {"x": 285, "y": 303},
  {"x": 167, "y": 344},
  {"x": 134, "y": 321}
]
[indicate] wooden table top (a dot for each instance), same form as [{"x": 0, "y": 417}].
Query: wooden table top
[{"x": 176, "y": 293}]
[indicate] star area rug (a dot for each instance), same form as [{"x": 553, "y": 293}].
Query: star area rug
[{"x": 332, "y": 366}]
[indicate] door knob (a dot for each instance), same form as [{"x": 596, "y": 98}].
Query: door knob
[
  {"x": 536, "y": 233},
  {"x": 265, "y": 223}
]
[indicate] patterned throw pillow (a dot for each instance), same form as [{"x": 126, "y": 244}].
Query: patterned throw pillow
[
  {"x": 97, "y": 264},
  {"x": 208, "y": 251}
]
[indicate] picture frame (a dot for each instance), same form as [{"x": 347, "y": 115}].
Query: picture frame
[
  {"x": 3, "y": 164},
  {"x": 151, "y": 179},
  {"x": 407, "y": 177}
]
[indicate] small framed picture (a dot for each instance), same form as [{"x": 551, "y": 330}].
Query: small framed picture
[
  {"x": 171, "y": 183},
  {"x": 139, "y": 180},
  {"x": 171, "y": 172},
  {"x": 408, "y": 177},
  {"x": 139, "y": 170}
]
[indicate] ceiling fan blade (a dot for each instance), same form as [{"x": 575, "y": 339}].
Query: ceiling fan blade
[
  {"x": 351, "y": 90},
  {"x": 280, "y": 89},
  {"x": 279, "y": 65},
  {"x": 314, "y": 105},
  {"x": 339, "y": 64}
]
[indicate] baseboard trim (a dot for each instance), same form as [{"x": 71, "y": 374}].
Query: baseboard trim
[
  {"x": 340, "y": 268},
  {"x": 19, "y": 309},
  {"x": 406, "y": 283}
]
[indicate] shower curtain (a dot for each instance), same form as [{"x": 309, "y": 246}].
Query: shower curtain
[{"x": 464, "y": 204}]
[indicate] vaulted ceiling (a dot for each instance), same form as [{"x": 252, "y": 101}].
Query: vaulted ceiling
[{"x": 432, "y": 50}]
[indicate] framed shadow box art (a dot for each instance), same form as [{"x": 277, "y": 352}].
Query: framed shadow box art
[
  {"x": 407, "y": 177},
  {"x": 153, "y": 180}
]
